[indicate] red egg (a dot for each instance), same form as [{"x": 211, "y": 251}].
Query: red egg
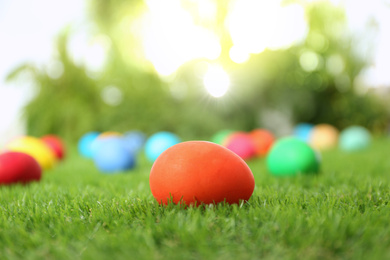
[
  {"x": 18, "y": 167},
  {"x": 241, "y": 144},
  {"x": 262, "y": 140},
  {"x": 56, "y": 145},
  {"x": 196, "y": 172}
]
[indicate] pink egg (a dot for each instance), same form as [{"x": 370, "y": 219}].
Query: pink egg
[{"x": 242, "y": 144}]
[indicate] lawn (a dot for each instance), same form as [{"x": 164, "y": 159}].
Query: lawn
[{"x": 75, "y": 212}]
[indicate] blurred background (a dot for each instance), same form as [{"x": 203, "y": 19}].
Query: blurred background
[{"x": 192, "y": 67}]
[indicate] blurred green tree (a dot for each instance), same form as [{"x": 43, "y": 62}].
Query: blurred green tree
[{"x": 313, "y": 81}]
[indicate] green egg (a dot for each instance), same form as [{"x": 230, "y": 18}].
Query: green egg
[{"x": 291, "y": 156}]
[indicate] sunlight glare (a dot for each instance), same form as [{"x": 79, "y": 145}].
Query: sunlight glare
[
  {"x": 257, "y": 25},
  {"x": 238, "y": 55},
  {"x": 171, "y": 38},
  {"x": 216, "y": 81}
]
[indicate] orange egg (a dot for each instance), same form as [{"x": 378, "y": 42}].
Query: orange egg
[
  {"x": 109, "y": 134},
  {"x": 196, "y": 172},
  {"x": 324, "y": 137},
  {"x": 262, "y": 140}
]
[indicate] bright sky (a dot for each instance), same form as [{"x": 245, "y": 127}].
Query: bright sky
[{"x": 27, "y": 30}]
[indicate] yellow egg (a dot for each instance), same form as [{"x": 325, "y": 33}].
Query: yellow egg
[
  {"x": 36, "y": 148},
  {"x": 323, "y": 137}
]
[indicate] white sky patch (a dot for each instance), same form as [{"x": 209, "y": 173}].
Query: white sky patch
[
  {"x": 27, "y": 31},
  {"x": 55, "y": 69},
  {"x": 89, "y": 50},
  {"x": 369, "y": 24},
  {"x": 256, "y": 25}
]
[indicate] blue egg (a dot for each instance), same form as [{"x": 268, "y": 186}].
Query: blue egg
[
  {"x": 158, "y": 143},
  {"x": 85, "y": 142},
  {"x": 302, "y": 131},
  {"x": 354, "y": 138},
  {"x": 134, "y": 140},
  {"x": 96, "y": 144},
  {"x": 113, "y": 156}
]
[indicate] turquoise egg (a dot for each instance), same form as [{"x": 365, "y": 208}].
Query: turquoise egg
[
  {"x": 158, "y": 143},
  {"x": 354, "y": 138}
]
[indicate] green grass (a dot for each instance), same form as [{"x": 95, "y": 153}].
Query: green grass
[{"x": 75, "y": 212}]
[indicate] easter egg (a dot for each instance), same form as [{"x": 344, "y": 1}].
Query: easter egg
[
  {"x": 291, "y": 156},
  {"x": 134, "y": 140},
  {"x": 324, "y": 137},
  {"x": 220, "y": 136},
  {"x": 354, "y": 138},
  {"x": 96, "y": 143},
  {"x": 196, "y": 172},
  {"x": 17, "y": 167},
  {"x": 230, "y": 136},
  {"x": 303, "y": 131},
  {"x": 241, "y": 144},
  {"x": 109, "y": 134},
  {"x": 158, "y": 143},
  {"x": 262, "y": 140},
  {"x": 36, "y": 148},
  {"x": 56, "y": 145},
  {"x": 85, "y": 144},
  {"x": 113, "y": 156}
]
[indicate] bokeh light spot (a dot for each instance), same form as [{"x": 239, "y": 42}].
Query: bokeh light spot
[
  {"x": 216, "y": 81},
  {"x": 335, "y": 64},
  {"x": 112, "y": 95},
  {"x": 309, "y": 61}
]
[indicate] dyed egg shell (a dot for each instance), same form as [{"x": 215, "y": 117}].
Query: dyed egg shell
[
  {"x": 230, "y": 136},
  {"x": 134, "y": 140},
  {"x": 56, "y": 145},
  {"x": 354, "y": 138},
  {"x": 158, "y": 143},
  {"x": 109, "y": 134},
  {"x": 85, "y": 144},
  {"x": 17, "y": 167},
  {"x": 96, "y": 143},
  {"x": 324, "y": 137},
  {"x": 219, "y": 137},
  {"x": 291, "y": 156},
  {"x": 35, "y": 148},
  {"x": 303, "y": 131},
  {"x": 113, "y": 156},
  {"x": 262, "y": 140},
  {"x": 241, "y": 144},
  {"x": 196, "y": 172}
]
